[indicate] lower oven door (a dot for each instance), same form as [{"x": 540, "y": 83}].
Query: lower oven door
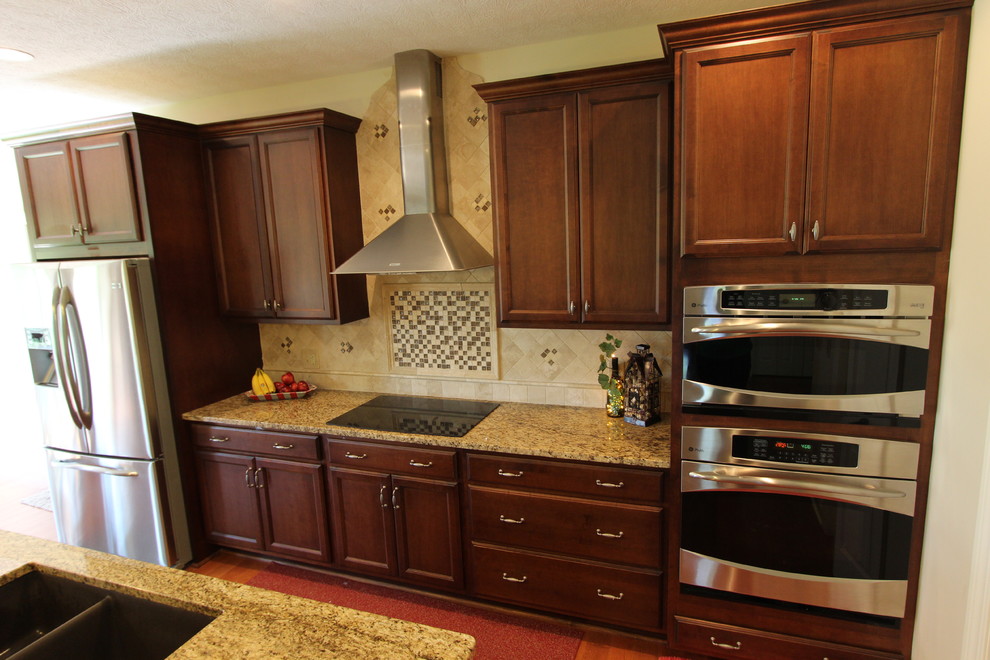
[{"x": 818, "y": 539}]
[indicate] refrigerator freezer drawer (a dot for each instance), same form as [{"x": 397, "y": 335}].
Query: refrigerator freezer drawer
[{"x": 111, "y": 505}]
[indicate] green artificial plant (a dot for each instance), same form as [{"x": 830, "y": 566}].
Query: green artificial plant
[{"x": 608, "y": 348}]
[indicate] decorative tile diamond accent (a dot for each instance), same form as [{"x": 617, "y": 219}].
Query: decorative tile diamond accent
[
  {"x": 381, "y": 130},
  {"x": 286, "y": 344},
  {"x": 442, "y": 329},
  {"x": 388, "y": 212},
  {"x": 477, "y": 116},
  {"x": 345, "y": 347},
  {"x": 482, "y": 203}
]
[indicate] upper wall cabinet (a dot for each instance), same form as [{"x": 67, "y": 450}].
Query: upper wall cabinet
[
  {"x": 580, "y": 170},
  {"x": 286, "y": 210},
  {"x": 838, "y": 135},
  {"x": 83, "y": 185}
]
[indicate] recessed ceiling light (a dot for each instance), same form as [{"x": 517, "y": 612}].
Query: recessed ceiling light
[{"x": 14, "y": 55}]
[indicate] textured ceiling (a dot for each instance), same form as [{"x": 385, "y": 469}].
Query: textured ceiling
[{"x": 155, "y": 51}]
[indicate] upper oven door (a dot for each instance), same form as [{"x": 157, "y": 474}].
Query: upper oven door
[{"x": 828, "y": 364}]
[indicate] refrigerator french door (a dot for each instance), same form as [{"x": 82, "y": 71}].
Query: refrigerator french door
[{"x": 106, "y": 418}]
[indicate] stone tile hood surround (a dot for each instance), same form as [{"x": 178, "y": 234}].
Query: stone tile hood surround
[{"x": 426, "y": 239}]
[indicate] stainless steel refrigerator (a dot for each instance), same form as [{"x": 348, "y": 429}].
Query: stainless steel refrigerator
[{"x": 96, "y": 356}]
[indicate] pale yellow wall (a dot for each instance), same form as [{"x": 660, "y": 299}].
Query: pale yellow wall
[{"x": 961, "y": 429}]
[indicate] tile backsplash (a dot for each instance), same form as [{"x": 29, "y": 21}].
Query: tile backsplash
[{"x": 435, "y": 334}]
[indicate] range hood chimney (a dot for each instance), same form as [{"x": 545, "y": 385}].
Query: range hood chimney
[{"x": 427, "y": 238}]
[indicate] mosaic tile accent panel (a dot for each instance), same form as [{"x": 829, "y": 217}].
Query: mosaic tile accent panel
[{"x": 442, "y": 330}]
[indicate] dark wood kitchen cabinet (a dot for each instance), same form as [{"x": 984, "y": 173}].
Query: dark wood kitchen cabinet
[
  {"x": 835, "y": 136},
  {"x": 285, "y": 210},
  {"x": 81, "y": 191},
  {"x": 582, "y": 540},
  {"x": 263, "y": 491},
  {"x": 396, "y": 513},
  {"x": 580, "y": 168}
]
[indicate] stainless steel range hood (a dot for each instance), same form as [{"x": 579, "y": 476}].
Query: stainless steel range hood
[{"x": 426, "y": 239}]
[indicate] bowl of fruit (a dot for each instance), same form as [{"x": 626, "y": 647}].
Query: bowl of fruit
[{"x": 263, "y": 388}]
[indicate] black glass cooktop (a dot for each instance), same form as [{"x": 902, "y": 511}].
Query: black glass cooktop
[{"x": 416, "y": 414}]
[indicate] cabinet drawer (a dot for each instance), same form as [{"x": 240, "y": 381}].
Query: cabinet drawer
[
  {"x": 623, "y": 533},
  {"x": 622, "y": 596},
  {"x": 707, "y": 637},
  {"x": 393, "y": 459},
  {"x": 596, "y": 480},
  {"x": 283, "y": 445}
]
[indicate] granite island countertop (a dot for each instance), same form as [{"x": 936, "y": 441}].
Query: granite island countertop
[
  {"x": 567, "y": 432},
  {"x": 250, "y": 622}
]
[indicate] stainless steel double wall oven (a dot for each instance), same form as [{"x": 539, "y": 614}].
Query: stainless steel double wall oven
[{"x": 811, "y": 518}]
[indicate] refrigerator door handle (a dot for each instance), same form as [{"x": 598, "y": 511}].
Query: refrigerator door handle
[
  {"x": 61, "y": 351},
  {"x": 78, "y": 360},
  {"x": 86, "y": 467}
]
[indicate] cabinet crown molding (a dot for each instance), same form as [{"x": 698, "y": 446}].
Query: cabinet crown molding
[
  {"x": 789, "y": 18},
  {"x": 569, "y": 81},
  {"x": 316, "y": 117},
  {"x": 112, "y": 124}
]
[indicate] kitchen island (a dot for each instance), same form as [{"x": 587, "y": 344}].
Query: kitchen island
[
  {"x": 250, "y": 622},
  {"x": 563, "y": 432}
]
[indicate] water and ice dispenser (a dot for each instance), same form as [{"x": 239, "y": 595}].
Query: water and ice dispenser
[{"x": 42, "y": 356}]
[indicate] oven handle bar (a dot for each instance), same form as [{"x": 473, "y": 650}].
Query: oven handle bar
[
  {"x": 834, "y": 328},
  {"x": 798, "y": 484}
]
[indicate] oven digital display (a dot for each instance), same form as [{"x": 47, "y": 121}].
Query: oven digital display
[
  {"x": 799, "y": 451},
  {"x": 796, "y": 300}
]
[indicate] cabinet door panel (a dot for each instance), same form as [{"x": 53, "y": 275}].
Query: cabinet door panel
[
  {"x": 239, "y": 232},
  {"x": 292, "y": 173},
  {"x": 743, "y": 149},
  {"x": 879, "y": 161},
  {"x": 105, "y": 179},
  {"x": 49, "y": 193},
  {"x": 363, "y": 531},
  {"x": 534, "y": 176},
  {"x": 230, "y": 507},
  {"x": 624, "y": 147},
  {"x": 293, "y": 509},
  {"x": 427, "y": 530}
]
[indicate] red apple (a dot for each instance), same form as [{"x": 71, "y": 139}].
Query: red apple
[
  {"x": 288, "y": 378},
  {"x": 280, "y": 386},
  {"x": 302, "y": 385}
]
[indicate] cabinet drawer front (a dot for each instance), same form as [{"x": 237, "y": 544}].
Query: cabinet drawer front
[
  {"x": 594, "y": 591},
  {"x": 599, "y": 530},
  {"x": 427, "y": 463},
  {"x": 596, "y": 480},
  {"x": 706, "y": 637},
  {"x": 283, "y": 445}
]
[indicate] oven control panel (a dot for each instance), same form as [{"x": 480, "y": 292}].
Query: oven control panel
[
  {"x": 805, "y": 299},
  {"x": 801, "y": 451}
]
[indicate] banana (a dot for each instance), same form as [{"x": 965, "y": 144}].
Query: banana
[
  {"x": 269, "y": 386},
  {"x": 261, "y": 384}
]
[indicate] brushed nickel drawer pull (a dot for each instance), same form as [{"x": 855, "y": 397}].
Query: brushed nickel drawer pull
[
  {"x": 278, "y": 446},
  {"x": 501, "y": 473},
  {"x": 731, "y": 647},
  {"x": 602, "y": 594},
  {"x": 605, "y": 484},
  {"x": 258, "y": 482},
  {"x": 608, "y": 535},
  {"x": 395, "y": 497},
  {"x": 424, "y": 465},
  {"x": 381, "y": 497},
  {"x": 348, "y": 454},
  {"x": 247, "y": 478},
  {"x": 216, "y": 439},
  {"x": 512, "y": 521},
  {"x": 505, "y": 576}
]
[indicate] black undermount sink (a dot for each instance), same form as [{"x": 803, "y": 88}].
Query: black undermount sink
[{"x": 46, "y": 616}]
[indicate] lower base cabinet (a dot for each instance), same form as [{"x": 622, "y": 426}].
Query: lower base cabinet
[
  {"x": 257, "y": 502},
  {"x": 396, "y": 526},
  {"x": 722, "y": 640}
]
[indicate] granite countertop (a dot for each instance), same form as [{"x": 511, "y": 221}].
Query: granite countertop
[
  {"x": 251, "y": 622},
  {"x": 583, "y": 434}
]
